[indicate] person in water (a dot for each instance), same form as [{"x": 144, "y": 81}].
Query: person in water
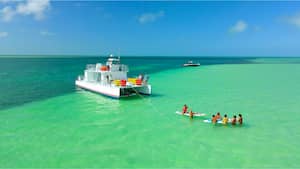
[
  {"x": 184, "y": 109},
  {"x": 218, "y": 116},
  {"x": 191, "y": 114},
  {"x": 233, "y": 121},
  {"x": 213, "y": 119},
  {"x": 225, "y": 119},
  {"x": 240, "y": 120}
]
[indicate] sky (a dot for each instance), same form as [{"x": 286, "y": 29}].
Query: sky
[{"x": 150, "y": 28}]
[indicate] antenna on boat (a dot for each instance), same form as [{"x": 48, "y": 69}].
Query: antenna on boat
[{"x": 119, "y": 57}]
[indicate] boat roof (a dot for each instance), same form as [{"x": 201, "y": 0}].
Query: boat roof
[{"x": 113, "y": 58}]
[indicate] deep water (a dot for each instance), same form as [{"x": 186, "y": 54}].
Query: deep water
[{"x": 25, "y": 80}]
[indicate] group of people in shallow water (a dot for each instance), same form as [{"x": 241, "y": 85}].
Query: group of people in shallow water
[
  {"x": 225, "y": 119},
  {"x": 217, "y": 117}
]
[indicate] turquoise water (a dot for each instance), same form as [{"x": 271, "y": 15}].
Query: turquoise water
[{"x": 77, "y": 128}]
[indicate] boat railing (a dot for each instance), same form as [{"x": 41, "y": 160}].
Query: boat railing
[
  {"x": 145, "y": 79},
  {"x": 80, "y": 77},
  {"x": 117, "y": 68}
]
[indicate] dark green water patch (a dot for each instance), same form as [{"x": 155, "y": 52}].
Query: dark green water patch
[{"x": 25, "y": 80}]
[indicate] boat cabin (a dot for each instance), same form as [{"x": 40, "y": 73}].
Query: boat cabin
[{"x": 106, "y": 73}]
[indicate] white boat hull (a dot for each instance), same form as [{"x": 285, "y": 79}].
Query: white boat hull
[
  {"x": 194, "y": 64},
  {"x": 98, "y": 88},
  {"x": 112, "y": 91},
  {"x": 144, "y": 89}
]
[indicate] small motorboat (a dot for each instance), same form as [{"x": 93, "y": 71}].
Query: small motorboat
[{"x": 191, "y": 63}]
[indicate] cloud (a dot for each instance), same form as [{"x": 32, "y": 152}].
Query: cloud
[
  {"x": 293, "y": 20},
  {"x": 46, "y": 33},
  {"x": 7, "y": 13},
  {"x": 35, "y": 8},
  {"x": 150, "y": 17},
  {"x": 240, "y": 26},
  {"x": 3, "y": 34}
]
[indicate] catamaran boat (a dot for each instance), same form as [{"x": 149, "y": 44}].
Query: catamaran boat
[
  {"x": 191, "y": 63},
  {"x": 111, "y": 79}
]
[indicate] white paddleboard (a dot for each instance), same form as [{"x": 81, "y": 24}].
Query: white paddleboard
[
  {"x": 188, "y": 114},
  {"x": 209, "y": 121}
]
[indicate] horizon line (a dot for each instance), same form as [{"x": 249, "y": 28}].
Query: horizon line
[{"x": 101, "y": 55}]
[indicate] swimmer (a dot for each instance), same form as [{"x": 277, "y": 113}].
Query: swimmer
[
  {"x": 240, "y": 120},
  {"x": 225, "y": 119},
  {"x": 191, "y": 114},
  {"x": 218, "y": 116},
  {"x": 184, "y": 109},
  {"x": 233, "y": 121},
  {"x": 213, "y": 119}
]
